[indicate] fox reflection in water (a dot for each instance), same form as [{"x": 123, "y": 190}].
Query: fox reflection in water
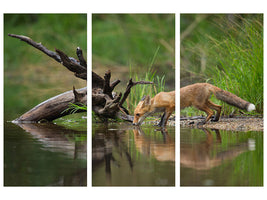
[
  {"x": 160, "y": 152},
  {"x": 109, "y": 143},
  {"x": 199, "y": 157}
]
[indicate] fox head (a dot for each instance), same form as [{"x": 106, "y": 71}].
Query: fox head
[{"x": 142, "y": 110}]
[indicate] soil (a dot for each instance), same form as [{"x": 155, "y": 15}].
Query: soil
[{"x": 232, "y": 124}]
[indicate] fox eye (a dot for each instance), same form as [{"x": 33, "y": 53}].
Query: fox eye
[{"x": 137, "y": 114}]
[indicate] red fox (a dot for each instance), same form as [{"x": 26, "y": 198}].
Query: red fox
[
  {"x": 198, "y": 95},
  {"x": 162, "y": 102}
]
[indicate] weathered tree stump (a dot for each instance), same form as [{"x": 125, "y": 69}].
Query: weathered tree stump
[{"x": 104, "y": 104}]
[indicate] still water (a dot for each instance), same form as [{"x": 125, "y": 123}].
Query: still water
[
  {"x": 124, "y": 156},
  {"x": 44, "y": 155},
  {"x": 221, "y": 158}
]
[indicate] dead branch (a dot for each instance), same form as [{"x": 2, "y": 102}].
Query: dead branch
[
  {"x": 97, "y": 81},
  {"x": 78, "y": 67},
  {"x": 79, "y": 53},
  {"x": 79, "y": 70},
  {"x": 128, "y": 89},
  {"x": 105, "y": 103}
]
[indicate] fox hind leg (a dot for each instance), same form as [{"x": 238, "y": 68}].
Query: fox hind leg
[
  {"x": 216, "y": 107},
  {"x": 207, "y": 110}
]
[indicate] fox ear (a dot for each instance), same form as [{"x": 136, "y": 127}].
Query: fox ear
[
  {"x": 147, "y": 100},
  {"x": 143, "y": 98}
]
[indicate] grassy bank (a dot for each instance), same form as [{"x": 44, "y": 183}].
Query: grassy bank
[{"x": 227, "y": 51}]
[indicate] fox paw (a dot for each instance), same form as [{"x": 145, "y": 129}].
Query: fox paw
[{"x": 214, "y": 119}]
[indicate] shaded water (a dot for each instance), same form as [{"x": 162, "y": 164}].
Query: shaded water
[
  {"x": 44, "y": 155},
  {"x": 124, "y": 156},
  {"x": 221, "y": 158}
]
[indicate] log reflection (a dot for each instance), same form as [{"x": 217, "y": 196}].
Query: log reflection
[{"x": 58, "y": 139}]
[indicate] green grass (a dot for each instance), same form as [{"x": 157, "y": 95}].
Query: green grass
[
  {"x": 141, "y": 90},
  {"x": 240, "y": 67},
  {"x": 233, "y": 55},
  {"x": 73, "y": 108}
]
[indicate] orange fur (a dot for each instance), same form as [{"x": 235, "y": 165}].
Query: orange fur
[
  {"x": 162, "y": 102},
  {"x": 198, "y": 95}
]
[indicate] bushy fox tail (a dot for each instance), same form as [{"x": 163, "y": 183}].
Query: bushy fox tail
[{"x": 231, "y": 99}]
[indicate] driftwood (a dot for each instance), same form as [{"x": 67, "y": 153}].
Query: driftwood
[
  {"x": 192, "y": 118},
  {"x": 54, "y": 107},
  {"x": 105, "y": 103},
  {"x": 57, "y": 106}
]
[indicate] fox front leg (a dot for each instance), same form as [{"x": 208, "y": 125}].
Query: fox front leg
[{"x": 161, "y": 123}]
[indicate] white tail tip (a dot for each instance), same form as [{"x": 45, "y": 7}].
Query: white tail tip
[{"x": 251, "y": 107}]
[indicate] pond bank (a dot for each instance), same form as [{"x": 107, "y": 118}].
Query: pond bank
[{"x": 232, "y": 124}]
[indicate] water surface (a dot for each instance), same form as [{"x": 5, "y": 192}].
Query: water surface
[
  {"x": 124, "y": 156},
  {"x": 44, "y": 155},
  {"x": 221, "y": 158}
]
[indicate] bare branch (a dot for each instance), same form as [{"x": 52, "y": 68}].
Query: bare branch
[
  {"x": 72, "y": 65},
  {"x": 128, "y": 89},
  {"x": 79, "y": 53},
  {"x": 69, "y": 62},
  {"x": 37, "y": 46}
]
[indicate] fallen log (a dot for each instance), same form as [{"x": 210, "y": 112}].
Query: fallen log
[{"x": 54, "y": 107}]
